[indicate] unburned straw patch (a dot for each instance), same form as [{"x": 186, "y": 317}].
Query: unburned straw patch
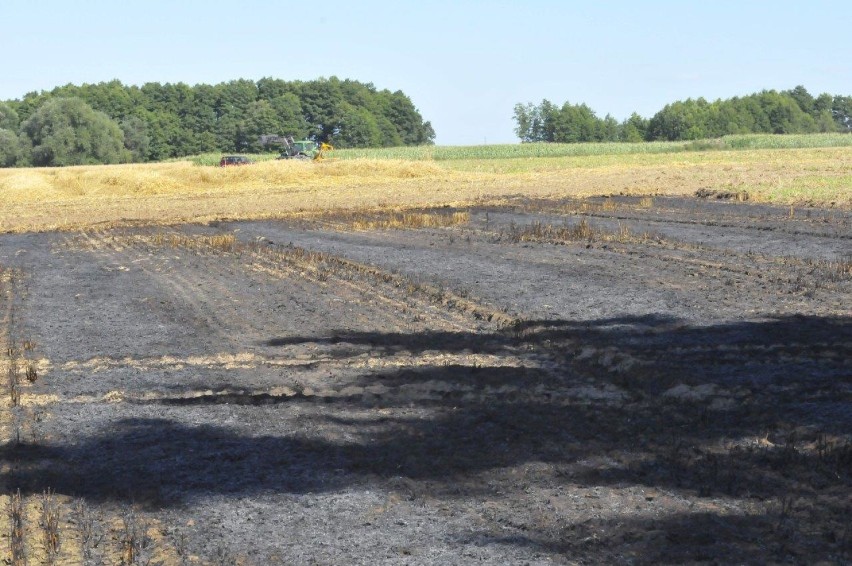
[
  {"x": 377, "y": 219},
  {"x": 582, "y": 231},
  {"x": 58, "y": 530},
  {"x": 412, "y": 220},
  {"x": 157, "y": 193},
  {"x": 391, "y": 168}
]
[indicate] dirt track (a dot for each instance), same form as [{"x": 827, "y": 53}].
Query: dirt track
[{"x": 551, "y": 382}]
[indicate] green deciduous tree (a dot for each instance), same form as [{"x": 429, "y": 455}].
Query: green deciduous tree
[
  {"x": 357, "y": 127},
  {"x": 67, "y": 131},
  {"x": 261, "y": 118},
  {"x": 841, "y": 111},
  {"x": 526, "y": 116},
  {"x": 571, "y": 123},
  {"x": 291, "y": 120},
  {"x": 8, "y": 118},
  {"x": 161, "y": 121},
  {"x": 608, "y": 129},
  {"x": 764, "y": 112},
  {"x": 399, "y": 109},
  {"x": 785, "y": 115},
  {"x": 803, "y": 99},
  {"x": 789, "y": 112},
  {"x": 390, "y": 133},
  {"x": 165, "y": 134},
  {"x": 136, "y": 138},
  {"x": 320, "y": 101},
  {"x": 10, "y": 148},
  {"x": 633, "y": 129},
  {"x": 682, "y": 120}
]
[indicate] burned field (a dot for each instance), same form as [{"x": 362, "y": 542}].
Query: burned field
[{"x": 574, "y": 381}]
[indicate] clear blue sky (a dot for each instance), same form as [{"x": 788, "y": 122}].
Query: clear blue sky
[{"x": 465, "y": 64}]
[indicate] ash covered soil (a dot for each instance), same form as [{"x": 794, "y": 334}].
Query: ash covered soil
[{"x": 574, "y": 381}]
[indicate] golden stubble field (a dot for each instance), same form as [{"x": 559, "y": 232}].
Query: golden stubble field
[{"x": 41, "y": 199}]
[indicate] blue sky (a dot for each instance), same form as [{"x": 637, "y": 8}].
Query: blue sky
[{"x": 465, "y": 64}]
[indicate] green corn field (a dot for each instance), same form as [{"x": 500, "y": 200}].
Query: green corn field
[{"x": 538, "y": 150}]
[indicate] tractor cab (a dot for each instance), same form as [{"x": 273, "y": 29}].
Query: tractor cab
[
  {"x": 292, "y": 149},
  {"x": 304, "y": 147}
]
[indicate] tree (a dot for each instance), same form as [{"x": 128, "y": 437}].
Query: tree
[
  {"x": 291, "y": 120},
  {"x": 269, "y": 88},
  {"x": 357, "y": 127},
  {"x": 750, "y": 115},
  {"x": 536, "y": 123},
  {"x": 200, "y": 118},
  {"x": 160, "y": 121},
  {"x": 228, "y": 133},
  {"x": 261, "y": 118},
  {"x": 67, "y": 131},
  {"x": 803, "y": 99},
  {"x": 572, "y": 124},
  {"x": 136, "y": 138},
  {"x": 320, "y": 102},
  {"x": 399, "y": 109},
  {"x": 841, "y": 111},
  {"x": 608, "y": 129},
  {"x": 633, "y": 129},
  {"x": 822, "y": 113},
  {"x": 28, "y": 104},
  {"x": 526, "y": 117},
  {"x": 785, "y": 115},
  {"x": 789, "y": 112},
  {"x": 239, "y": 93},
  {"x": 681, "y": 120},
  {"x": 10, "y": 148},
  {"x": 8, "y": 118},
  {"x": 165, "y": 134},
  {"x": 390, "y": 134}
]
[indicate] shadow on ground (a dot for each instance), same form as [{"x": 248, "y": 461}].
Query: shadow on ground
[{"x": 757, "y": 411}]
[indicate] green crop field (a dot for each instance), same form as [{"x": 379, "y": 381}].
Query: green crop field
[
  {"x": 551, "y": 150},
  {"x": 527, "y": 150}
]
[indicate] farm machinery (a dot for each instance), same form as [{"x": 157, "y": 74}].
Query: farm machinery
[{"x": 292, "y": 149}]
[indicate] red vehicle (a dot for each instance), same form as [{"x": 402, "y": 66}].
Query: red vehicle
[{"x": 234, "y": 160}]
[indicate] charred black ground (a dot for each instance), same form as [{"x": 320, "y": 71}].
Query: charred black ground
[{"x": 600, "y": 380}]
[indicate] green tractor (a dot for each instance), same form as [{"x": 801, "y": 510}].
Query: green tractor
[{"x": 292, "y": 149}]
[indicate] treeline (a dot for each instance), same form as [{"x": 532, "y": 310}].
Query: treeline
[
  {"x": 112, "y": 122},
  {"x": 793, "y": 111}
]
